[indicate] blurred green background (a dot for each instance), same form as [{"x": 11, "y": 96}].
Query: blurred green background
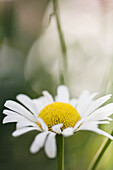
[{"x": 30, "y": 62}]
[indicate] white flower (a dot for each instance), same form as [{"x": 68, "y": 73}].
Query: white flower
[{"x": 62, "y": 116}]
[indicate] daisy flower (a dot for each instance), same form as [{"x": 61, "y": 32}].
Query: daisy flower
[{"x": 59, "y": 116}]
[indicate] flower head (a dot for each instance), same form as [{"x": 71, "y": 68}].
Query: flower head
[
  {"x": 59, "y": 112},
  {"x": 62, "y": 116}
]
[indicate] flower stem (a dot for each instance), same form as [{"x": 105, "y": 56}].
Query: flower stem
[
  {"x": 100, "y": 153},
  {"x": 60, "y": 152},
  {"x": 63, "y": 78},
  {"x": 63, "y": 74}
]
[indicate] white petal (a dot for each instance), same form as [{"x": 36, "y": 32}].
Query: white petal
[
  {"x": 73, "y": 102},
  {"x": 102, "y": 113},
  {"x": 62, "y": 94},
  {"x": 79, "y": 123},
  {"x": 26, "y": 101},
  {"x": 84, "y": 102},
  {"x": 101, "y": 132},
  {"x": 48, "y": 96},
  {"x": 38, "y": 142},
  {"x": 109, "y": 119},
  {"x": 93, "y": 123},
  {"x": 19, "y": 132},
  {"x": 50, "y": 145},
  {"x": 93, "y": 126},
  {"x": 97, "y": 103},
  {"x": 9, "y": 112},
  {"x": 26, "y": 123},
  {"x": 19, "y": 109},
  {"x": 43, "y": 125},
  {"x": 68, "y": 132},
  {"x": 40, "y": 103},
  {"x": 102, "y": 122},
  {"x": 95, "y": 129},
  {"x": 15, "y": 117},
  {"x": 9, "y": 119},
  {"x": 43, "y": 101},
  {"x": 87, "y": 125},
  {"x": 57, "y": 128},
  {"x": 82, "y": 99}
]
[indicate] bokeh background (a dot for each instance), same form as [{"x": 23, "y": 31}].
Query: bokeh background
[{"x": 30, "y": 62}]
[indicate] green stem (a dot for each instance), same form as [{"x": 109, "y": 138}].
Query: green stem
[
  {"x": 63, "y": 73},
  {"x": 60, "y": 152},
  {"x": 100, "y": 153},
  {"x": 63, "y": 78}
]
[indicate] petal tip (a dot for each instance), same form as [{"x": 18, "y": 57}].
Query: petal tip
[
  {"x": 13, "y": 134},
  {"x": 3, "y": 122},
  {"x": 5, "y": 104}
]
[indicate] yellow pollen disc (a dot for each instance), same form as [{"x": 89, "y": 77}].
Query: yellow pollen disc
[{"x": 59, "y": 112}]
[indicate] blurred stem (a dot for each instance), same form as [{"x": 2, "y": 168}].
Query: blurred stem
[
  {"x": 63, "y": 74},
  {"x": 60, "y": 152},
  {"x": 7, "y": 19},
  {"x": 100, "y": 153}
]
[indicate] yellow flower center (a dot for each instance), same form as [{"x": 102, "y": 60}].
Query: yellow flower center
[{"x": 59, "y": 112}]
